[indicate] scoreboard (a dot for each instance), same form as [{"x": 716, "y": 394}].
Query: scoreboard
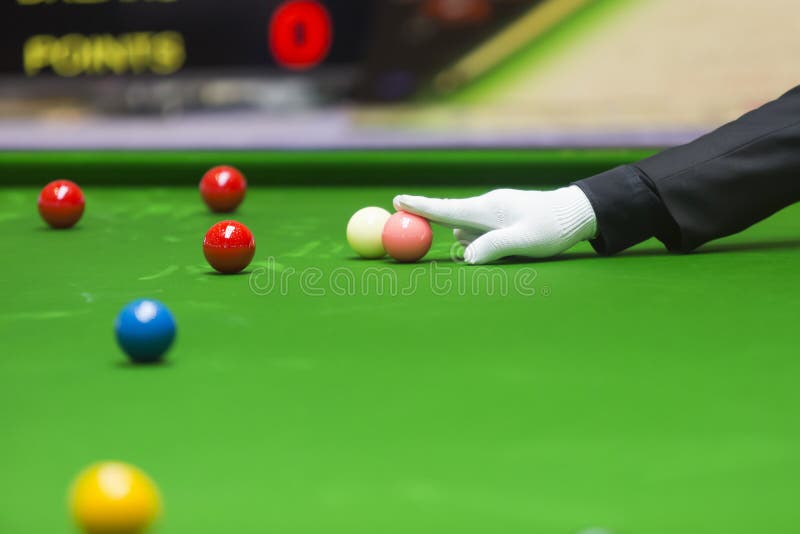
[
  {"x": 97, "y": 38},
  {"x": 380, "y": 50}
]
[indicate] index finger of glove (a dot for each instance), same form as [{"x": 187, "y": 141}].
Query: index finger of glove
[{"x": 466, "y": 212}]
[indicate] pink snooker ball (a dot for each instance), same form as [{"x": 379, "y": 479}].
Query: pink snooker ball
[{"x": 407, "y": 237}]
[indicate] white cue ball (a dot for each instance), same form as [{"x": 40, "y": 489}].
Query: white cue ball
[{"x": 364, "y": 232}]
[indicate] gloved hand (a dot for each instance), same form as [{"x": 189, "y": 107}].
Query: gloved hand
[{"x": 507, "y": 222}]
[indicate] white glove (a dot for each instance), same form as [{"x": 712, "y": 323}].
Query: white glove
[{"x": 507, "y": 222}]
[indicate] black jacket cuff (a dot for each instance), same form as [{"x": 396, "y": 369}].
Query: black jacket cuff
[{"x": 628, "y": 210}]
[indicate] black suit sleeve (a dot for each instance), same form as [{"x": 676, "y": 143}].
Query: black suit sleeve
[{"x": 714, "y": 186}]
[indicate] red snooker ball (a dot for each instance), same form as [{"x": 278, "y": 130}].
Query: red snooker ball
[
  {"x": 229, "y": 247},
  {"x": 407, "y": 237},
  {"x": 223, "y": 188},
  {"x": 61, "y": 203}
]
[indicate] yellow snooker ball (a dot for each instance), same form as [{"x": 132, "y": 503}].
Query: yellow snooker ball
[{"x": 114, "y": 498}]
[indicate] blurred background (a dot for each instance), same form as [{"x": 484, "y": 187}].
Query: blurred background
[{"x": 272, "y": 74}]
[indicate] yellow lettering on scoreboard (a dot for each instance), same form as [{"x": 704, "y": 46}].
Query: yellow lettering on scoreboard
[
  {"x": 169, "y": 52},
  {"x": 128, "y": 53}
]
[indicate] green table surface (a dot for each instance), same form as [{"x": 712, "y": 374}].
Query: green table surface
[{"x": 643, "y": 393}]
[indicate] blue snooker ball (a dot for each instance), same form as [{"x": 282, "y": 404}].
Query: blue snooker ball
[{"x": 145, "y": 330}]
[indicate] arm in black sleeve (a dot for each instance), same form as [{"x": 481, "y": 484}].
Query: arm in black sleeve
[{"x": 714, "y": 186}]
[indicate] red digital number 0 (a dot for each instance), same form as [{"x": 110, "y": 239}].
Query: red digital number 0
[{"x": 300, "y": 34}]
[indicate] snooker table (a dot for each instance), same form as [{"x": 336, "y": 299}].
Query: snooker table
[{"x": 316, "y": 392}]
